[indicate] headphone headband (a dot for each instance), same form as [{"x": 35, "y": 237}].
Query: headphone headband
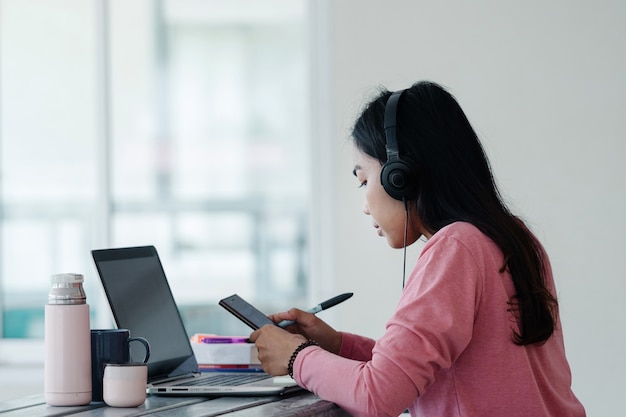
[{"x": 390, "y": 124}]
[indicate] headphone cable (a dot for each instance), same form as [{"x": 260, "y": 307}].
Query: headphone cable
[{"x": 406, "y": 227}]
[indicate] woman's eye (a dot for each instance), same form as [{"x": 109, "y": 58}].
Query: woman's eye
[{"x": 362, "y": 184}]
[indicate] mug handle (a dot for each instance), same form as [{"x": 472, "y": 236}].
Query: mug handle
[{"x": 146, "y": 345}]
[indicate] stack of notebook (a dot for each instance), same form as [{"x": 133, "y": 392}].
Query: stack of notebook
[{"x": 224, "y": 353}]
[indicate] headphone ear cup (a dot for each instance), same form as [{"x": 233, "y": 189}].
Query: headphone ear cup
[{"x": 397, "y": 177}]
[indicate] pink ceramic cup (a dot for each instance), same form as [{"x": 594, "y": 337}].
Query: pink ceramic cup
[{"x": 124, "y": 384}]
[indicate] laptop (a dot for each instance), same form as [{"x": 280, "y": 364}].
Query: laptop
[{"x": 141, "y": 300}]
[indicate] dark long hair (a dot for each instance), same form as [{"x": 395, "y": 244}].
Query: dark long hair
[{"x": 455, "y": 183}]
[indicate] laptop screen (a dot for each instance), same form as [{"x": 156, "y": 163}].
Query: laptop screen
[{"x": 141, "y": 301}]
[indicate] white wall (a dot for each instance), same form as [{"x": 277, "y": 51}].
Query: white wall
[{"x": 544, "y": 85}]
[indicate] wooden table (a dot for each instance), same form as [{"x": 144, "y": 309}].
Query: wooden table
[{"x": 301, "y": 404}]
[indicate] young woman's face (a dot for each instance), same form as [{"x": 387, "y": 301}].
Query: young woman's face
[{"x": 388, "y": 214}]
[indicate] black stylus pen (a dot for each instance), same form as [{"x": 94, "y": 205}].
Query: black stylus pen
[{"x": 321, "y": 306}]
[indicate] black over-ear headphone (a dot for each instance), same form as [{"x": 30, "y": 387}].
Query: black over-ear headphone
[{"x": 397, "y": 175}]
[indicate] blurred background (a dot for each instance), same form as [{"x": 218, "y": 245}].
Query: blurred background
[{"x": 218, "y": 131}]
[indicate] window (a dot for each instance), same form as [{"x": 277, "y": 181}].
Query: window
[{"x": 179, "y": 124}]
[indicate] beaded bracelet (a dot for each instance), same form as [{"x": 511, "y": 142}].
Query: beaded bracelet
[{"x": 295, "y": 353}]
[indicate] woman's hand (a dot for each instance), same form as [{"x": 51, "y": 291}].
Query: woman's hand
[
  {"x": 311, "y": 327},
  {"x": 275, "y": 347}
]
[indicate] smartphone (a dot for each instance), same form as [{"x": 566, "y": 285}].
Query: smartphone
[{"x": 245, "y": 312}]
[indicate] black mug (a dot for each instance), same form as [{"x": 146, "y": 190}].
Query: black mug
[{"x": 110, "y": 346}]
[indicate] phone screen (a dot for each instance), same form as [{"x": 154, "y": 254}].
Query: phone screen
[{"x": 245, "y": 311}]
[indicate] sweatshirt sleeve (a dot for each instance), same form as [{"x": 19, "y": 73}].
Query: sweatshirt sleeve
[
  {"x": 430, "y": 328},
  {"x": 356, "y": 347}
]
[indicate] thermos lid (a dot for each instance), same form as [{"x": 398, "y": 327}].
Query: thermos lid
[
  {"x": 66, "y": 288},
  {"x": 67, "y": 278}
]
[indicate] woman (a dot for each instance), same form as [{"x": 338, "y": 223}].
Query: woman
[{"x": 476, "y": 331}]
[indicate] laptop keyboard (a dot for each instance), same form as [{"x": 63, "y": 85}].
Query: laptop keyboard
[{"x": 226, "y": 379}]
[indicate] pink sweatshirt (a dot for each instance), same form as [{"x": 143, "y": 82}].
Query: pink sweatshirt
[{"x": 447, "y": 350}]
